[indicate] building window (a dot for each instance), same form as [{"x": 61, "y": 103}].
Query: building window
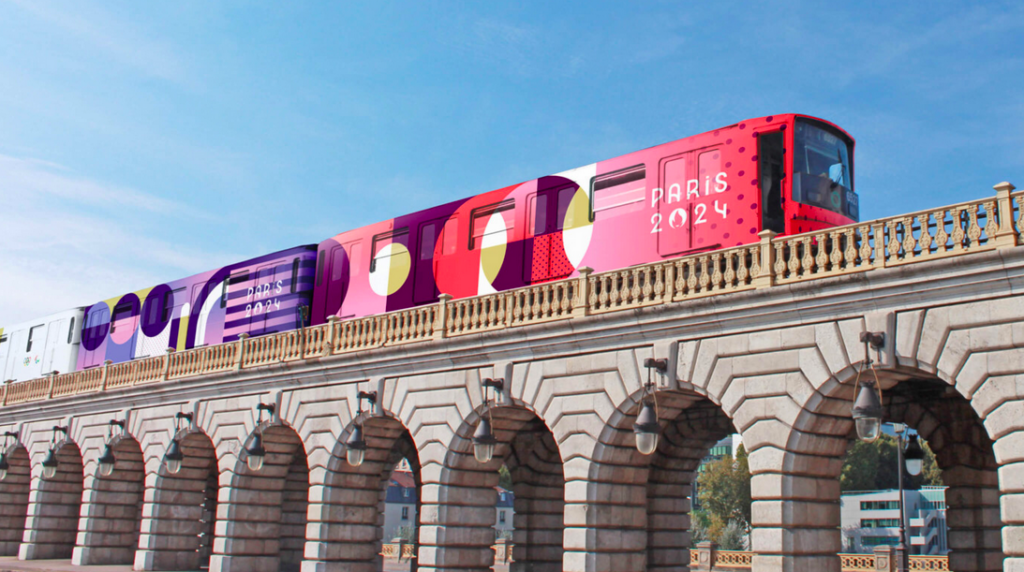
[
  {"x": 879, "y": 505},
  {"x": 879, "y": 540},
  {"x": 502, "y": 497},
  {"x": 405, "y": 513},
  {"x": 405, "y": 492},
  {"x": 501, "y": 516},
  {"x": 879, "y": 522}
]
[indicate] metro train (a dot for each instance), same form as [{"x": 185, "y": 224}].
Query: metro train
[{"x": 785, "y": 173}]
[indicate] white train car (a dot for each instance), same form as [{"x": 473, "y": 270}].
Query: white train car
[{"x": 34, "y": 349}]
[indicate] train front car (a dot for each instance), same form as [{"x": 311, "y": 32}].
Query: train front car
[
  {"x": 719, "y": 189},
  {"x": 263, "y": 295}
]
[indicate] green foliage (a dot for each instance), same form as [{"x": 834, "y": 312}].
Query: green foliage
[
  {"x": 504, "y": 478},
  {"x": 723, "y": 489},
  {"x": 872, "y": 466}
]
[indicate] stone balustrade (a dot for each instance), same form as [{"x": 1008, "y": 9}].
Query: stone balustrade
[
  {"x": 707, "y": 557},
  {"x": 969, "y": 227}
]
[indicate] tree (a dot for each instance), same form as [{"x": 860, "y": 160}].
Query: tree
[
  {"x": 504, "y": 478},
  {"x": 723, "y": 488},
  {"x": 873, "y": 466}
]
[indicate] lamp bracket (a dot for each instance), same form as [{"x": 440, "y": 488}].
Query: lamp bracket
[
  {"x": 268, "y": 407},
  {"x": 659, "y": 364},
  {"x": 498, "y": 384},
  {"x": 63, "y": 429},
  {"x": 11, "y": 434},
  {"x": 370, "y": 396},
  {"x": 183, "y": 415},
  {"x": 119, "y": 422},
  {"x": 875, "y": 339}
]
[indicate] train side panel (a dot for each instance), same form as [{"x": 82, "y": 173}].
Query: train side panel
[
  {"x": 268, "y": 294},
  {"x": 34, "y": 349}
]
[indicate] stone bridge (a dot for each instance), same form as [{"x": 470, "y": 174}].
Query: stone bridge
[{"x": 763, "y": 340}]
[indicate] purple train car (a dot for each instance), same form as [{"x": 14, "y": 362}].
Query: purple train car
[{"x": 263, "y": 295}]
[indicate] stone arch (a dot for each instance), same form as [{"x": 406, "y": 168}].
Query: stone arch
[
  {"x": 14, "y": 495},
  {"x": 261, "y": 516},
  {"x": 178, "y": 514},
  {"x": 461, "y": 509},
  {"x": 112, "y": 515},
  {"x": 945, "y": 419},
  {"x": 54, "y": 508},
  {"x": 649, "y": 498},
  {"x": 348, "y": 507}
]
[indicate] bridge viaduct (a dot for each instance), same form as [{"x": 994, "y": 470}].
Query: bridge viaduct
[{"x": 763, "y": 340}]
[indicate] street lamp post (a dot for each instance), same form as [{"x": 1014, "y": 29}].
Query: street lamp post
[{"x": 867, "y": 414}]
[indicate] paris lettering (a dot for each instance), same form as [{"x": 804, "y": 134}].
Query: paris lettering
[
  {"x": 678, "y": 217},
  {"x": 262, "y": 291}
]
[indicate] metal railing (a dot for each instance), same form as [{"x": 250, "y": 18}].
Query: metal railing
[{"x": 974, "y": 226}]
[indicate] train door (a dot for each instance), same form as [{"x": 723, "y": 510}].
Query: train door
[
  {"x": 544, "y": 256},
  {"x": 446, "y": 265},
  {"x": 772, "y": 173},
  {"x": 53, "y": 331},
  {"x": 94, "y": 332},
  {"x": 5, "y": 350},
  {"x": 672, "y": 223},
  {"x": 424, "y": 284},
  {"x": 124, "y": 327},
  {"x": 263, "y": 299},
  {"x": 342, "y": 265}
]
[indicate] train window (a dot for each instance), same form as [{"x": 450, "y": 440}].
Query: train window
[
  {"x": 709, "y": 164},
  {"x": 31, "y": 335},
  {"x": 355, "y": 251},
  {"x": 399, "y": 236},
  {"x": 337, "y": 264},
  {"x": 427, "y": 238},
  {"x": 481, "y": 226},
  {"x": 566, "y": 216},
  {"x": 120, "y": 312},
  {"x": 224, "y": 292},
  {"x": 771, "y": 155},
  {"x": 320, "y": 268},
  {"x": 169, "y": 302},
  {"x": 450, "y": 236},
  {"x": 295, "y": 273},
  {"x": 539, "y": 213},
  {"x": 71, "y": 330},
  {"x": 618, "y": 193}
]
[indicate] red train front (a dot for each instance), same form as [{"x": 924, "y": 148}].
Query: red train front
[{"x": 787, "y": 173}]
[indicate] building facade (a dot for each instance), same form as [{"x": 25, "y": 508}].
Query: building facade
[{"x": 872, "y": 518}]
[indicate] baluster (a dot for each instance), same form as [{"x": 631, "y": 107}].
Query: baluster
[
  {"x": 991, "y": 225},
  {"x": 958, "y": 230},
  {"x": 909, "y": 243},
  {"x": 925, "y": 242},
  {"x": 730, "y": 274},
  {"x": 781, "y": 263},
  {"x": 691, "y": 279},
  {"x": 705, "y": 276},
  {"x": 716, "y": 274},
  {"x": 973, "y": 230}
]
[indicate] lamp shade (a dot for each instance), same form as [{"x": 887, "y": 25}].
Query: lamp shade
[
  {"x": 174, "y": 457},
  {"x": 50, "y": 464},
  {"x": 3, "y": 466},
  {"x": 355, "y": 447},
  {"x": 867, "y": 412},
  {"x": 107, "y": 461},
  {"x": 484, "y": 442},
  {"x": 647, "y": 429},
  {"x": 255, "y": 453},
  {"x": 914, "y": 456}
]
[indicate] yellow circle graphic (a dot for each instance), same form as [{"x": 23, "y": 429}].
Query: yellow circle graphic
[{"x": 390, "y": 270}]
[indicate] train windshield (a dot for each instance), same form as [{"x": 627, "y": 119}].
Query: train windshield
[{"x": 821, "y": 169}]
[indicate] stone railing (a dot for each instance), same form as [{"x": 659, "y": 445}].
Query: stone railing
[
  {"x": 975, "y": 226},
  {"x": 707, "y": 557},
  {"x": 407, "y": 551}
]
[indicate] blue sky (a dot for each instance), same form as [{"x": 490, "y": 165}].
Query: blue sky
[{"x": 143, "y": 141}]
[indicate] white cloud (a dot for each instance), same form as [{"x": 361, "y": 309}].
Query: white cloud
[{"x": 71, "y": 241}]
